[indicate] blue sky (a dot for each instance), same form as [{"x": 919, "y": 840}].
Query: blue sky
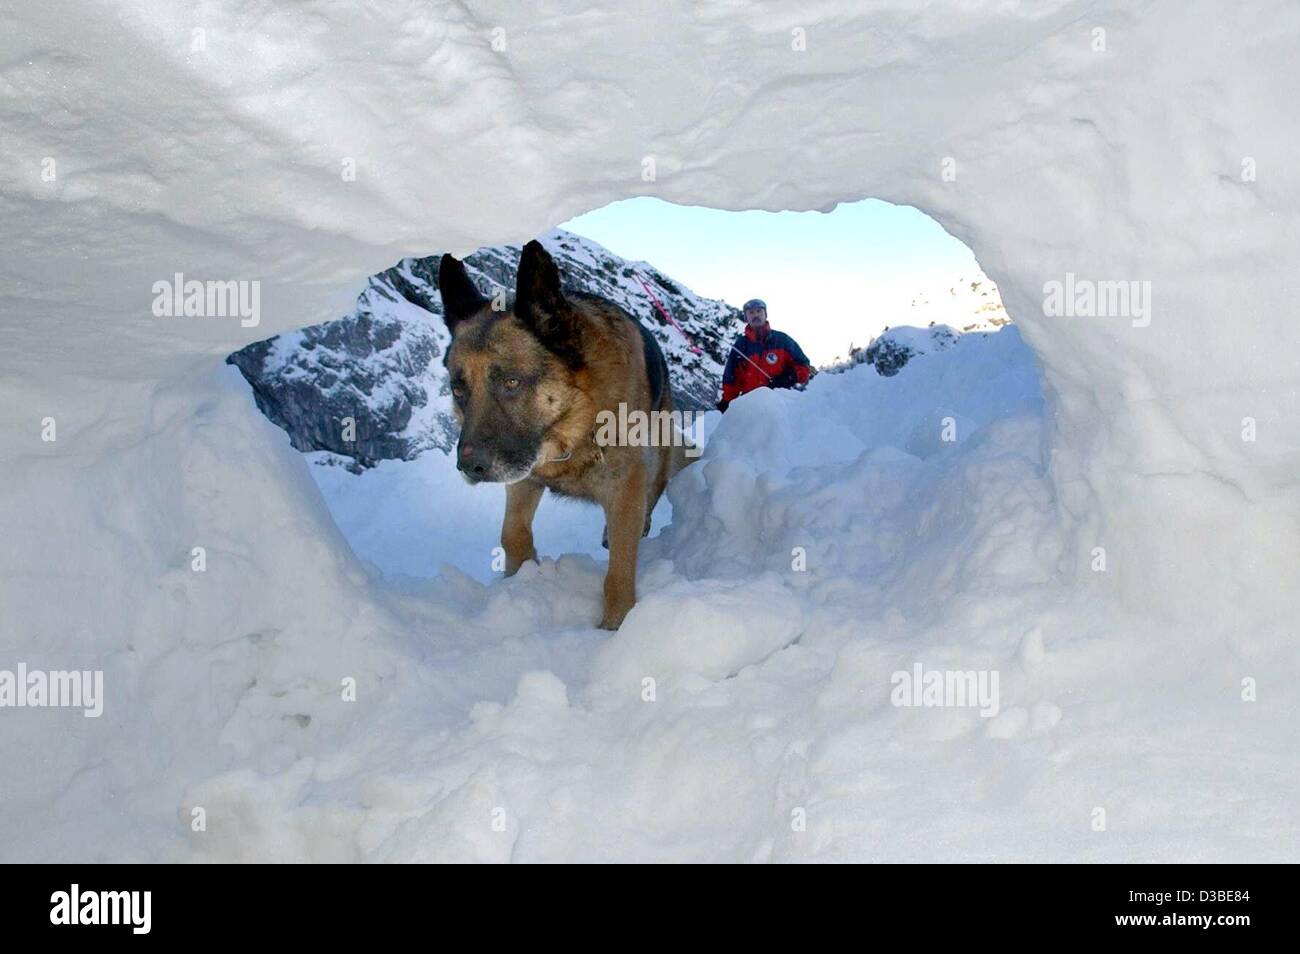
[{"x": 829, "y": 278}]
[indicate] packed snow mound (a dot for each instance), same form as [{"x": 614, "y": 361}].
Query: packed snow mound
[
  {"x": 978, "y": 377},
  {"x": 371, "y": 386},
  {"x": 684, "y": 629}
]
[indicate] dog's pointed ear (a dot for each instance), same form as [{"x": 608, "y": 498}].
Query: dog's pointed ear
[
  {"x": 540, "y": 304},
  {"x": 460, "y": 297}
]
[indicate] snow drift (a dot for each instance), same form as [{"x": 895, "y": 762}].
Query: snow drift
[{"x": 305, "y": 147}]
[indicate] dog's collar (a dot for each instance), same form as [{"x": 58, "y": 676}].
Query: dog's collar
[{"x": 591, "y": 441}]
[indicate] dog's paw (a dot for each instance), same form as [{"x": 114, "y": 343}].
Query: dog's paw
[
  {"x": 614, "y": 615},
  {"x": 512, "y": 566}
]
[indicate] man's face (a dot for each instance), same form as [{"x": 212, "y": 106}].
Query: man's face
[{"x": 755, "y": 316}]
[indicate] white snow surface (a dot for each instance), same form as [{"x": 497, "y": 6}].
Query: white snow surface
[{"x": 491, "y": 721}]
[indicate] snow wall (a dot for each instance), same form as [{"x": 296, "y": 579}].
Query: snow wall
[{"x": 307, "y": 146}]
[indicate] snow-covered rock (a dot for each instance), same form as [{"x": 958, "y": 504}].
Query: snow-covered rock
[
  {"x": 371, "y": 386},
  {"x": 894, "y": 347}
]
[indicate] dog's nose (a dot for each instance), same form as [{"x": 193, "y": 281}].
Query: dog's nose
[{"x": 472, "y": 460}]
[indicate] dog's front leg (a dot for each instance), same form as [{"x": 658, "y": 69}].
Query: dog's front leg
[
  {"x": 625, "y": 520},
  {"x": 517, "y": 528}
]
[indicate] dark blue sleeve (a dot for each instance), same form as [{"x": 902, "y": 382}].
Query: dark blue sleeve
[{"x": 729, "y": 369}]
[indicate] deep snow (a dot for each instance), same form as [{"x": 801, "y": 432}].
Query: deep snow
[
  {"x": 771, "y": 685},
  {"x": 1164, "y": 156}
]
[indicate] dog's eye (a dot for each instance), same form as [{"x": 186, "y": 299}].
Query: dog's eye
[
  {"x": 510, "y": 384},
  {"x": 458, "y": 393}
]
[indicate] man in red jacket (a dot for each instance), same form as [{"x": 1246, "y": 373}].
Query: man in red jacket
[{"x": 762, "y": 358}]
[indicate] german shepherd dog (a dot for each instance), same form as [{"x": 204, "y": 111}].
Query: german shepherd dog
[{"x": 528, "y": 385}]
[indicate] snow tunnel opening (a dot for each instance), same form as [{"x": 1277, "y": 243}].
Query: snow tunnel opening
[{"x": 867, "y": 288}]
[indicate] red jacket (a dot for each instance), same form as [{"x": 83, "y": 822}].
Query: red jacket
[{"x": 763, "y": 358}]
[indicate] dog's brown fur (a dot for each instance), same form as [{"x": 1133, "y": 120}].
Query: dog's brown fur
[{"x": 528, "y": 385}]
